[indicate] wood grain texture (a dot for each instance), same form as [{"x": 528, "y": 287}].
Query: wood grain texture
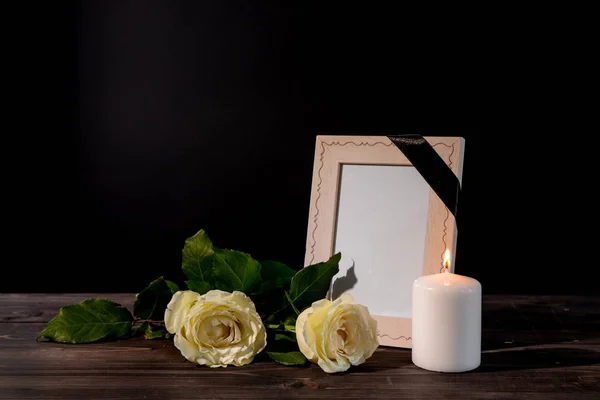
[
  {"x": 42, "y": 307},
  {"x": 534, "y": 348},
  {"x": 331, "y": 152}
]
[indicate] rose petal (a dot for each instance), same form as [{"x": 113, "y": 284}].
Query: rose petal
[
  {"x": 188, "y": 349},
  {"x": 178, "y": 308},
  {"x": 336, "y": 334},
  {"x": 221, "y": 328},
  {"x": 242, "y": 300},
  {"x": 300, "y": 335}
]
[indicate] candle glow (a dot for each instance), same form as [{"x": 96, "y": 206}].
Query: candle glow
[{"x": 446, "y": 258}]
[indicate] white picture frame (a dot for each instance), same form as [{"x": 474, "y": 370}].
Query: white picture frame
[{"x": 370, "y": 203}]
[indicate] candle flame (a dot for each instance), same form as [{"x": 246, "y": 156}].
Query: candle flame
[{"x": 446, "y": 258}]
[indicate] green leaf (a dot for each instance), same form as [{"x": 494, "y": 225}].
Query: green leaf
[
  {"x": 200, "y": 287},
  {"x": 89, "y": 321},
  {"x": 312, "y": 283},
  {"x": 275, "y": 275},
  {"x": 280, "y": 341},
  {"x": 291, "y": 358},
  {"x": 151, "y": 331},
  {"x": 197, "y": 262},
  {"x": 283, "y": 347},
  {"x": 267, "y": 304},
  {"x": 287, "y": 338},
  {"x": 172, "y": 286},
  {"x": 290, "y": 321},
  {"x": 151, "y": 302},
  {"x": 235, "y": 270},
  {"x": 286, "y": 326}
]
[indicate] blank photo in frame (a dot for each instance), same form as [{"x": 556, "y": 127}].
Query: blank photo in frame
[{"x": 369, "y": 203}]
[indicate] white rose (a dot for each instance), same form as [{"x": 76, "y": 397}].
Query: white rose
[
  {"x": 217, "y": 328},
  {"x": 337, "y": 334}
]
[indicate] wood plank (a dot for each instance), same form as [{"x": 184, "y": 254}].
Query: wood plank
[
  {"x": 537, "y": 347},
  {"x": 154, "y": 368},
  {"x": 42, "y": 307},
  {"x": 530, "y": 319}
]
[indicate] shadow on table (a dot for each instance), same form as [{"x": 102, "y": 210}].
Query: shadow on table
[{"x": 508, "y": 360}]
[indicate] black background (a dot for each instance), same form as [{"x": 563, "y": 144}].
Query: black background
[{"x": 141, "y": 122}]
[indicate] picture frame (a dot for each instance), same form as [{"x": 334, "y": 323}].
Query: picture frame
[{"x": 370, "y": 203}]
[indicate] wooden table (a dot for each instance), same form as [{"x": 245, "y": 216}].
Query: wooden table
[{"x": 533, "y": 348}]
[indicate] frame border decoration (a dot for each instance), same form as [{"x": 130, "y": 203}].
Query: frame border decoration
[{"x": 331, "y": 152}]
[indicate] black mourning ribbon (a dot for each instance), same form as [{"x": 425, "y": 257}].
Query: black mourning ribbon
[{"x": 432, "y": 168}]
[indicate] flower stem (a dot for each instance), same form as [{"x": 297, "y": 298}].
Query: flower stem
[{"x": 289, "y": 299}]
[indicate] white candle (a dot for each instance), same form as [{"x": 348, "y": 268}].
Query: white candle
[{"x": 446, "y": 322}]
